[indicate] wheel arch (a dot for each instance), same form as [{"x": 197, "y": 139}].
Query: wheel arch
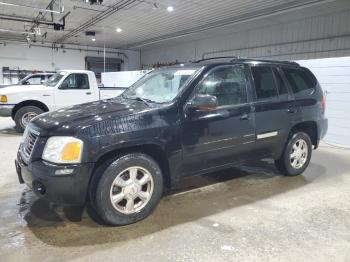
[
  {"x": 153, "y": 150},
  {"x": 36, "y": 103},
  {"x": 310, "y": 128}
]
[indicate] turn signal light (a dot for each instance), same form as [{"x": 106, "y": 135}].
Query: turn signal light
[
  {"x": 71, "y": 152},
  {"x": 3, "y": 99}
]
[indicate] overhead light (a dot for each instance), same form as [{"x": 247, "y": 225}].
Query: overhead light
[
  {"x": 170, "y": 9},
  {"x": 93, "y": 39},
  {"x": 119, "y": 30}
]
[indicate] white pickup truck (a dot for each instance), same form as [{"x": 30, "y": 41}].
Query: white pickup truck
[{"x": 65, "y": 88}]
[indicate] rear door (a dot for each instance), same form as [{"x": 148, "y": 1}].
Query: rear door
[
  {"x": 275, "y": 109},
  {"x": 226, "y": 133},
  {"x": 75, "y": 89}
]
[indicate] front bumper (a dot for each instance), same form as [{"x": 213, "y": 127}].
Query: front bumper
[
  {"x": 62, "y": 189},
  {"x": 6, "y": 110}
]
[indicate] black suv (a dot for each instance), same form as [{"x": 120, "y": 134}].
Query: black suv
[{"x": 177, "y": 121}]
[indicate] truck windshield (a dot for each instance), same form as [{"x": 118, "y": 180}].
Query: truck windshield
[
  {"x": 160, "y": 86},
  {"x": 53, "y": 80}
]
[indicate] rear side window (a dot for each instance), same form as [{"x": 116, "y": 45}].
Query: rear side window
[
  {"x": 299, "y": 79},
  {"x": 282, "y": 88},
  {"x": 265, "y": 85}
]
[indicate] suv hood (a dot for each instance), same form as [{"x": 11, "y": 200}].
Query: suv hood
[{"x": 70, "y": 120}]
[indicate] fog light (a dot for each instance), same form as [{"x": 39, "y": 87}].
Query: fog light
[{"x": 39, "y": 187}]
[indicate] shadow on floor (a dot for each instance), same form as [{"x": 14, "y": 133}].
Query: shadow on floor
[
  {"x": 10, "y": 131},
  {"x": 192, "y": 199}
]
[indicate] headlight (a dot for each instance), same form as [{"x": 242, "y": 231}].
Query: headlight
[
  {"x": 3, "y": 99},
  {"x": 63, "y": 150}
]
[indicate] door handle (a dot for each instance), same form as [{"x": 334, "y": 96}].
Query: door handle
[
  {"x": 245, "y": 116},
  {"x": 88, "y": 93},
  {"x": 291, "y": 110}
]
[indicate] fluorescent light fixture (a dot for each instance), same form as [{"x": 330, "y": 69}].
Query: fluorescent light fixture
[
  {"x": 119, "y": 30},
  {"x": 170, "y": 9},
  {"x": 33, "y": 7},
  {"x": 93, "y": 39}
]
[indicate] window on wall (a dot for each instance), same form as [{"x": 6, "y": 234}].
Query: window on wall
[
  {"x": 265, "y": 85},
  {"x": 227, "y": 83},
  {"x": 299, "y": 80}
]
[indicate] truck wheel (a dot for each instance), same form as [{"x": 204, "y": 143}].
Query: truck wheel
[
  {"x": 128, "y": 190},
  {"x": 296, "y": 156},
  {"x": 24, "y": 115}
]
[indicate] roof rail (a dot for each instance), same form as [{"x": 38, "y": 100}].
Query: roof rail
[
  {"x": 218, "y": 57},
  {"x": 240, "y": 59},
  {"x": 268, "y": 61}
]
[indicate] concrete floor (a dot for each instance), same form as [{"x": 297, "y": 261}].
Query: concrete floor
[{"x": 242, "y": 214}]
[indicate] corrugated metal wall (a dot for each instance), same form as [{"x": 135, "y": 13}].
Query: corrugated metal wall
[{"x": 314, "y": 37}]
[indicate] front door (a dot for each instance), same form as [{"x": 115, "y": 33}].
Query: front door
[
  {"x": 75, "y": 89},
  {"x": 224, "y": 134}
]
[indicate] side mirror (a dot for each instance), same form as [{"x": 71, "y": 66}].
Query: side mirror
[
  {"x": 64, "y": 85},
  {"x": 202, "y": 103},
  {"x": 25, "y": 83}
]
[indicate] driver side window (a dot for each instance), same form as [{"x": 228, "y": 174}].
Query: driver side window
[
  {"x": 76, "y": 81},
  {"x": 227, "y": 84},
  {"x": 34, "y": 80}
]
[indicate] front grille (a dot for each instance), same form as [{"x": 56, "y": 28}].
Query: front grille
[{"x": 30, "y": 138}]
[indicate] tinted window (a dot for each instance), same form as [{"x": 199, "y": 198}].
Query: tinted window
[
  {"x": 76, "y": 81},
  {"x": 299, "y": 80},
  {"x": 264, "y": 82},
  {"x": 282, "y": 88},
  {"x": 228, "y": 84}
]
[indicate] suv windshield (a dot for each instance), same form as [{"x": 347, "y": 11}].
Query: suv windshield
[
  {"x": 53, "y": 80},
  {"x": 160, "y": 86}
]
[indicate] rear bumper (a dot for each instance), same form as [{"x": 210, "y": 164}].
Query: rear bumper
[
  {"x": 6, "y": 110},
  {"x": 62, "y": 189},
  {"x": 322, "y": 128}
]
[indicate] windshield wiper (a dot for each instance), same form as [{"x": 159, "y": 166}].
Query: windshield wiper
[{"x": 145, "y": 100}]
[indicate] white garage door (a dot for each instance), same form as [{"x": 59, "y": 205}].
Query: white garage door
[{"x": 334, "y": 77}]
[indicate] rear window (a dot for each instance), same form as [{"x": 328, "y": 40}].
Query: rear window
[{"x": 299, "y": 79}]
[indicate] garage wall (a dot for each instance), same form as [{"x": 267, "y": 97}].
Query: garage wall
[
  {"x": 38, "y": 58},
  {"x": 334, "y": 77},
  {"x": 319, "y": 36}
]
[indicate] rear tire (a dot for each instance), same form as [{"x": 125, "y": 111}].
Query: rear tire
[
  {"x": 128, "y": 190},
  {"x": 24, "y": 115},
  {"x": 296, "y": 155}
]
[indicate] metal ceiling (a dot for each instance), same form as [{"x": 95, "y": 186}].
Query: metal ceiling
[{"x": 141, "y": 21}]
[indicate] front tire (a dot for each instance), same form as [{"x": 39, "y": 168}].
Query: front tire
[
  {"x": 128, "y": 190},
  {"x": 296, "y": 156},
  {"x": 24, "y": 115}
]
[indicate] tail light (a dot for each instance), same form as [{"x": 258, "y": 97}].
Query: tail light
[{"x": 323, "y": 104}]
